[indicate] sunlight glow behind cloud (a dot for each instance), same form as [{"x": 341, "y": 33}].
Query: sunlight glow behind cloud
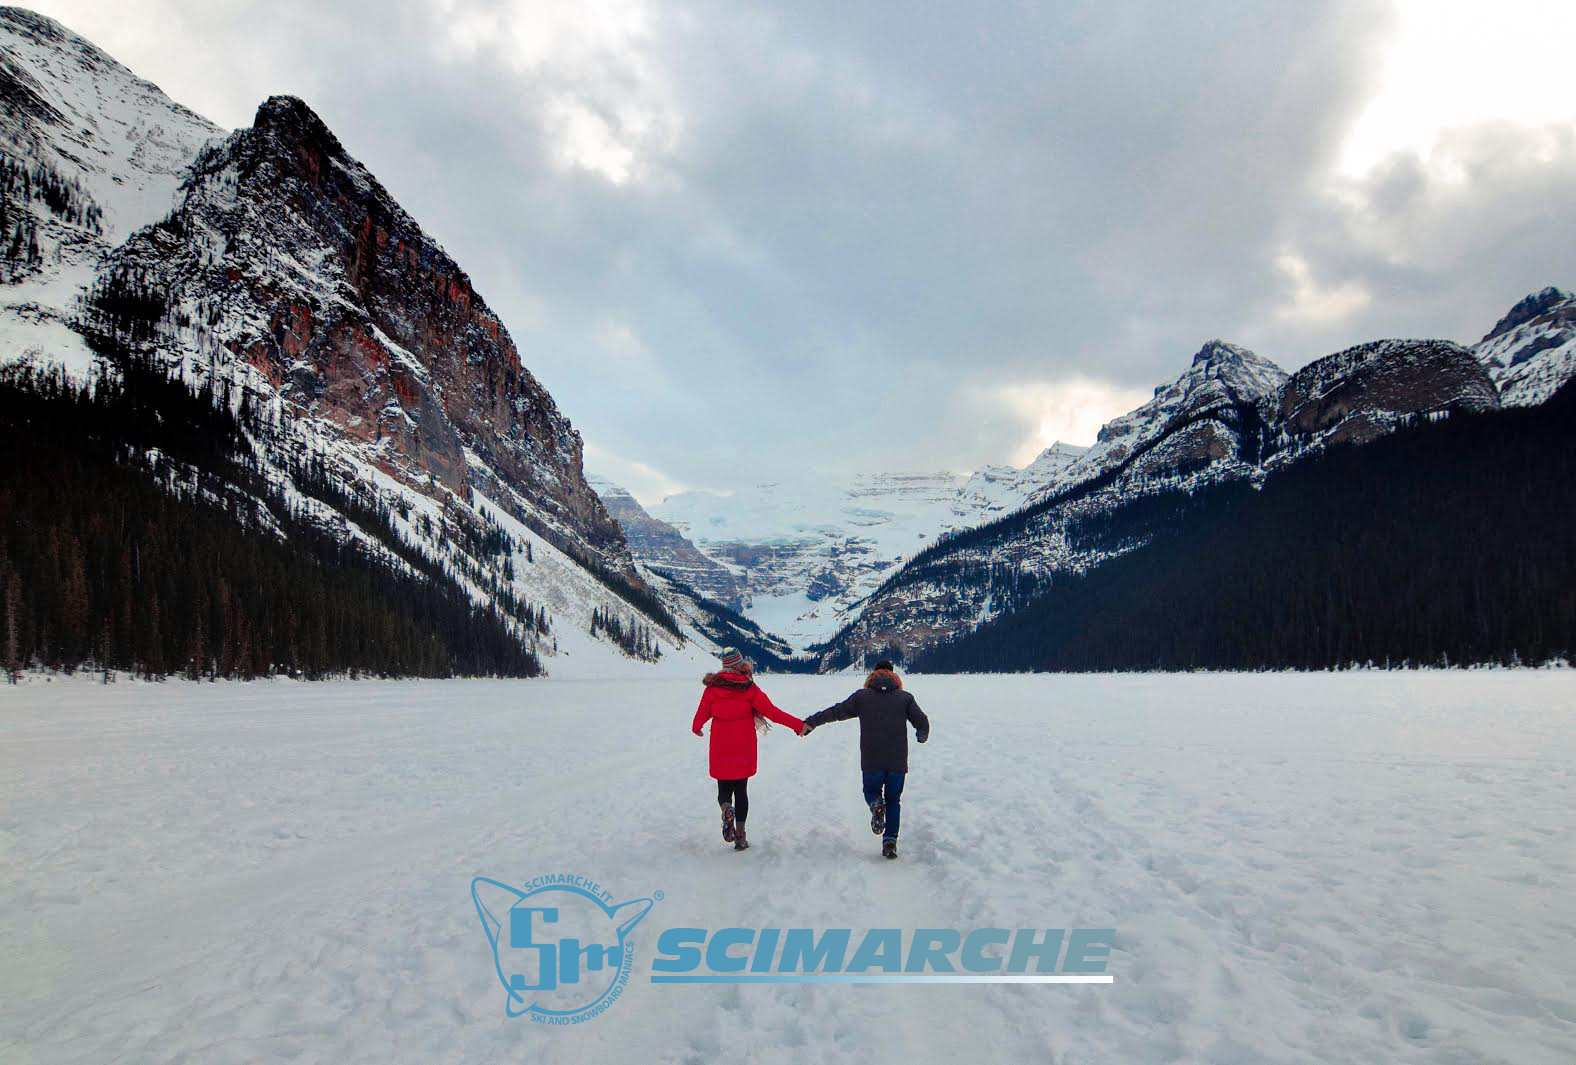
[
  {"x": 1070, "y": 411},
  {"x": 1459, "y": 62}
]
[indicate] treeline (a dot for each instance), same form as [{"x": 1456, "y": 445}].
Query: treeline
[
  {"x": 136, "y": 536},
  {"x": 967, "y": 553},
  {"x": 637, "y": 595},
  {"x": 1444, "y": 544},
  {"x": 628, "y": 634},
  {"x": 22, "y": 186},
  {"x": 726, "y": 627},
  {"x": 482, "y": 552}
]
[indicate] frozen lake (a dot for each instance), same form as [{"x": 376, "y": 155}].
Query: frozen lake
[{"x": 1300, "y": 868}]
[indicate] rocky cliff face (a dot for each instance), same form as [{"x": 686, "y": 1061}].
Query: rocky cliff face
[
  {"x": 287, "y": 257},
  {"x": 1361, "y": 393},
  {"x": 382, "y": 398},
  {"x": 660, "y": 546},
  {"x": 1531, "y": 352},
  {"x": 1192, "y": 425}
]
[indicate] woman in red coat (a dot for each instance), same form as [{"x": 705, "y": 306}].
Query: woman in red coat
[{"x": 733, "y": 705}]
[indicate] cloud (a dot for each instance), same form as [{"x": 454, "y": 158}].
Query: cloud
[
  {"x": 821, "y": 232},
  {"x": 1309, "y": 301},
  {"x": 1456, "y": 63},
  {"x": 647, "y": 484},
  {"x": 1042, "y": 413}
]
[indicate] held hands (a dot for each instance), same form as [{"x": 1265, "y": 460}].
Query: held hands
[{"x": 806, "y": 729}]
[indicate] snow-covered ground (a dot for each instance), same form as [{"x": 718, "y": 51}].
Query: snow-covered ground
[{"x": 1350, "y": 868}]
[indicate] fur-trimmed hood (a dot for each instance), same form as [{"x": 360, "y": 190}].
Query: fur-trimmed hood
[
  {"x": 735, "y": 681},
  {"x": 883, "y": 680}
]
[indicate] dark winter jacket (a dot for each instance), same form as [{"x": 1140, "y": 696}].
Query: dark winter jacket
[
  {"x": 884, "y": 711},
  {"x": 730, "y": 703}
]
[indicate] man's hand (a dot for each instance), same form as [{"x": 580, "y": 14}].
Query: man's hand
[
  {"x": 922, "y": 737},
  {"x": 807, "y": 729}
]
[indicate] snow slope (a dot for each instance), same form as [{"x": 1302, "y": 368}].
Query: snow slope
[
  {"x": 1219, "y": 378},
  {"x": 1323, "y": 868},
  {"x": 808, "y": 551},
  {"x": 119, "y": 135},
  {"x": 657, "y": 544},
  {"x": 119, "y": 139},
  {"x": 1531, "y": 352}
]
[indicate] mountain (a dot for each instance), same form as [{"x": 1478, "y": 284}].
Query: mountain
[
  {"x": 807, "y": 551},
  {"x": 89, "y": 153},
  {"x": 374, "y": 396},
  {"x": 1365, "y": 392},
  {"x": 1231, "y": 418},
  {"x": 1531, "y": 352},
  {"x": 900, "y": 563},
  {"x": 288, "y": 267},
  {"x": 722, "y": 626},
  {"x": 660, "y": 546},
  {"x": 1445, "y": 542},
  {"x": 1193, "y": 426},
  {"x": 996, "y": 490}
]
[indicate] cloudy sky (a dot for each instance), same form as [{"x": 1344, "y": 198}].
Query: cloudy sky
[{"x": 741, "y": 242}]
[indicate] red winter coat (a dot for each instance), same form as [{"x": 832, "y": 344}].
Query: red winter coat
[{"x": 730, "y": 703}]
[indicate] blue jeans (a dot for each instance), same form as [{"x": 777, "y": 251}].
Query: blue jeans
[{"x": 879, "y": 781}]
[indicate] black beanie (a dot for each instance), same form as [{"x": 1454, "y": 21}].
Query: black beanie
[{"x": 886, "y": 664}]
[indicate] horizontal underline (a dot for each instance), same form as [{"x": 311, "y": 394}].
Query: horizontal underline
[{"x": 881, "y": 978}]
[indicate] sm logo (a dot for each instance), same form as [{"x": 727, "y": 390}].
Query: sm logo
[{"x": 560, "y": 950}]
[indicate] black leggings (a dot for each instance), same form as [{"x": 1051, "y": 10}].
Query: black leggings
[{"x": 738, "y": 793}]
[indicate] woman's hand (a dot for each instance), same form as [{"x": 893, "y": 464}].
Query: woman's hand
[{"x": 805, "y": 729}]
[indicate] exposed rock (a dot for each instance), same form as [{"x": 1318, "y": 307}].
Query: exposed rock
[
  {"x": 1230, "y": 417},
  {"x": 661, "y": 547},
  {"x": 287, "y": 256},
  {"x": 1531, "y": 353},
  {"x": 1207, "y": 426},
  {"x": 1197, "y": 420},
  {"x": 1527, "y": 309},
  {"x": 1355, "y": 395}
]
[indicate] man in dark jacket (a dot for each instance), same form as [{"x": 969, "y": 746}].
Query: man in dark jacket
[{"x": 884, "y": 711}]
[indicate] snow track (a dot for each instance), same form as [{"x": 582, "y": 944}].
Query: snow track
[{"x": 1364, "y": 867}]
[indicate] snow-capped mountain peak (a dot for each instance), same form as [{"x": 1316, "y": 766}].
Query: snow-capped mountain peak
[
  {"x": 380, "y": 397},
  {"x": 1189, "y": 423},
  {"x": 1531, "y": 352},
  {"x": 995, "y": 490},
  {"x": 1528, "y": 308},
  {"x": 1056, "y": 457},
  {"x": 1235, "y": 368}
]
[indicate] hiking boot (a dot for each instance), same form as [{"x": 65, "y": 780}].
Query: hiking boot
[
  {"x": 741, "y": 843},
  {"x": 728, "y": 829},
  {"x": 889, "y": 848},
  {"x": 878, "y": 816}
]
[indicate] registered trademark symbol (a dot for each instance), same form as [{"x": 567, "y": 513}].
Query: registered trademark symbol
[{"x": 658, "y": 896}]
